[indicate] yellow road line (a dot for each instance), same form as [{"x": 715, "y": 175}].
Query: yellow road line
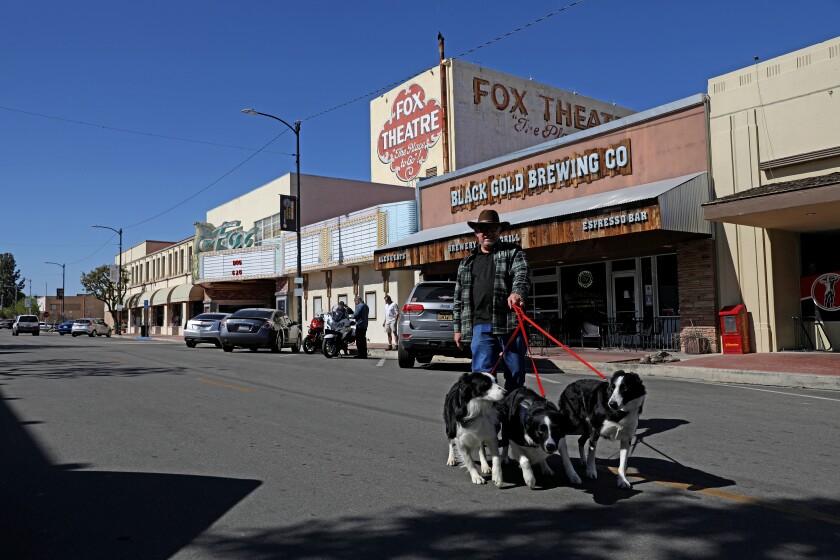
[
  {"x": 740, "y": 498},
  {"x": 228, "y": 385}
]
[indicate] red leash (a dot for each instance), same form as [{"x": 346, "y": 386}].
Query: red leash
[{"x": 521, "y": 318}]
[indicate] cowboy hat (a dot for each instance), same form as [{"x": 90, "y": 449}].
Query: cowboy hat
[{"x": 488, "y": 217}]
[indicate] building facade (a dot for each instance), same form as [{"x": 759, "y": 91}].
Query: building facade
[
  {"x": 610, "y": 219},
  {"x": 775, "y": 129}
]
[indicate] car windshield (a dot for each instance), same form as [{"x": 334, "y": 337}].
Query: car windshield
[
  {"x": 28, "y": 319},
  {"x": 210, "y": 317},
  {"x": 253, "y": 313},
  {"x": 434, "y": 292}
]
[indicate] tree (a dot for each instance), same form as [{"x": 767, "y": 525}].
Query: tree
[
  {"x": 98, "y": 283},
  {"x": 11, "y": 284}
]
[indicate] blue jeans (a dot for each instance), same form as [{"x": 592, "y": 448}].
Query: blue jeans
[{"x": 486, "y": 347}]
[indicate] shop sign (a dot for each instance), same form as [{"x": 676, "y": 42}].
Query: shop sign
[
  {"x": 626, "y": 218},
  {"x": 823, "y": 292},
  {"x": 288, "y": 213},
  {"x": 399, "y": 257},
  {"x": 415, "y": 126},
  {"x": 229, "y": 235},
  {"x": 470, "y": 245},
  {"x": 592, "y": 165}
]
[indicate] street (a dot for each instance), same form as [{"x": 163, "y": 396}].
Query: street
[{"x": 116, "y": 448}]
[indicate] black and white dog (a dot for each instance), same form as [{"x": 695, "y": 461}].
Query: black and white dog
[
  {"x": 608, "y": 409},
  {"x": 472, "y": 422},
  {"x": 532, "y": 430}
]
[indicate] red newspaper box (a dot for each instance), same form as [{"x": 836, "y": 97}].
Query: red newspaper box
[{"x": 734, "y": 330}]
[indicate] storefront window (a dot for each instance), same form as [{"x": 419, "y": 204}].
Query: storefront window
[
  {"x": 584, "y": 294},
  {"x": 669, "y": 296},
  {"x": 317, "y": 306}
]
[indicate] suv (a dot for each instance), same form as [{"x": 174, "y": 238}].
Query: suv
[
  {"x": 425, "y": 327},
  {"x": 90, "y": 327},
  {"x": 26, "y": 323}
]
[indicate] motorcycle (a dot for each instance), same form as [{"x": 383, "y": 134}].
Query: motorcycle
[
  {"x": 339, "y": 332},
  {"x": 315, "y": 337}
]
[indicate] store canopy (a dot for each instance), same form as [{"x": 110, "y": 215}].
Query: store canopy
[
  {"x": 187, "y": 292},
  {"x": 679, "y": 199},
  {"x": 145, "y": 296},
  {"x": 161, "y": 297},
  {"x": 131, "y": 301}
]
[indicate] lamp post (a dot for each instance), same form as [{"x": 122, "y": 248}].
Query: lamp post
[
  {"x": 62, "y": 286},
  {"x": 119, "y": 280},
  {"x": 296, "y": 130}
]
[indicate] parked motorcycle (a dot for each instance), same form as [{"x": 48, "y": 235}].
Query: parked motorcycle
[
  {"x": 339, "y": 332},
  {"x": 315, "y": 337}
]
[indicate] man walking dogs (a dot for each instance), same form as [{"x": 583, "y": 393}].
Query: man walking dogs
[
  {"x": 491, "y": 280},
  {"x": 360, "y": 313}
]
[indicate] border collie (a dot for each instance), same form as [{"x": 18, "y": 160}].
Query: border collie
[
  {"x": 532, "y": 430},
  {"x": 472, "y": 422},
  {"x": 608, "y": 409}
]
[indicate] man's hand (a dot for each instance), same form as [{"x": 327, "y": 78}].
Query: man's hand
[
  {"x": 458, "y": 340},
  {"x": 515, "y": 299}
]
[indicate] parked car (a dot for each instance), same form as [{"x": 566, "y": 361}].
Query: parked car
[
  {"x": 425, "y": 327},
  {"x": 26, "y": 324},
  {"x": 43, "y": 326},
  {"x": 204, "y": 328},
  {"x": 65, "y": 328},
  {"x": 6, "y": 323},
  {"x": 90, "y": 327},
  {"x": 260, "y": 328}
]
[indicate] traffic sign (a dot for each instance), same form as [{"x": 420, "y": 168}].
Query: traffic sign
[{"x": 46, "y": 314}]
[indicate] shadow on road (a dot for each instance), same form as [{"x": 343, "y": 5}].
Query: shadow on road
[
  {"x": 58, "y": 511},
  {"x": 68, "y": 368}
]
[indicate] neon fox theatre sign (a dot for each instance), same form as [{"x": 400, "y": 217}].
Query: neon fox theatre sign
[{"x": 229, "y": 235}]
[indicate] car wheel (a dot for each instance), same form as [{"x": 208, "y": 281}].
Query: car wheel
[
  {"x": 75, "y": 335},
  {"x": 277, "y": 346},
  {"x": 190, "y": 343},
  {"x": 92, "y": 333},
  {"x": 404, "y": 357},
  {"x": 108, "y": 334},
  {"x": 227, "y": 348},
  {"x": 61, "y": 333},
  {"x": 296, "y": 347}
]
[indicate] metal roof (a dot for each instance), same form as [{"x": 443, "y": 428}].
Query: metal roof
[{"x": 685, "y": 206}]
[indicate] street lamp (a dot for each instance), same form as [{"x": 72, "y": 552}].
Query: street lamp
[
  {"x": 296, "y": 130},
  {"x": 62, "y": 286},
  {"x": 119, "y": 281}
]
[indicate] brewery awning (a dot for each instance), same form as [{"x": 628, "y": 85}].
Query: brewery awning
[
  {"x": 679, "y": 200},
  {"x": 187, "y": 292}
]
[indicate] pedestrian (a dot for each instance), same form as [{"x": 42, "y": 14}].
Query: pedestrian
[
  {"x": 392, "y": 313},
  {"x": 491, "y": 280},
  {"x": 360, "y": 313}
]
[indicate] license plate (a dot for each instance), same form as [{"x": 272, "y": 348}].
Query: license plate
[
  {"x": 444, "y": 316},
  {"x": 243, "y": 328}
]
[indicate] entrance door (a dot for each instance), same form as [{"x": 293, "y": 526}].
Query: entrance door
[{"x": 625, "y": 299}]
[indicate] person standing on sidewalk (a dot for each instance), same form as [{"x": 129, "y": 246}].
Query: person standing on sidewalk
[
  {"x": 392, "y": 313},
  {"x": 360, "y": 313},
  {"x": 491, "y": 280}
]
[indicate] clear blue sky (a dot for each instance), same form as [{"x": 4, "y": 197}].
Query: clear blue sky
[{"x": 182, "y": 70}]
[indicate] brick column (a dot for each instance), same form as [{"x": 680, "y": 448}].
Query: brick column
[{"x": 697, "y": 280}]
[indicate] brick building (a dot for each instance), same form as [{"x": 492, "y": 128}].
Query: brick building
[{"x": 75, "y": 307}]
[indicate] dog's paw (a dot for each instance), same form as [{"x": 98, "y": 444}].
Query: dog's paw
[
  {"x": 497, "y": 480},
  {"x": 531, "y": 482},
  {"x": 478, "y": 479},
  {"x": 486, "y": 469},
  {"x": 592, "y": 473},
  {"x": 451, "y": 462},
  {"x": 623, "y": 483}
]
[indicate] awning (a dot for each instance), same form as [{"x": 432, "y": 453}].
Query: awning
[
  {"x": 161, "y": 297},
  {"x": 187, "y": 292},
  {"x": 131, "y": 300},
  {"x": 145, "y": 296},
  {"x": 679, "y": 200},
  {"x": 802, "y": 205}
]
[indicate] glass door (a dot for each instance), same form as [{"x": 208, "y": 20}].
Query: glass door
[{"x": 625, "y": 300}]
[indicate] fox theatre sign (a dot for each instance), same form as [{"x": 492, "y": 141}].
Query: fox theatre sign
[{"x": 569, "y": 172}]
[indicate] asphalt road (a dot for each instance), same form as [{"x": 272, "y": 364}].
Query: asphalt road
[{"x": 116, "y": 448}]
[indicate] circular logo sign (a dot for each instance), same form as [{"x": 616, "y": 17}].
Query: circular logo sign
[
  {"x": 585, "y": 279},
  {"x": 415, "y": 125},
  {"x": 823, "y": 292}
]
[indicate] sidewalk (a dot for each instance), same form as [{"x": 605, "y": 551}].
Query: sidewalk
[{"x": 807, "y": 370}]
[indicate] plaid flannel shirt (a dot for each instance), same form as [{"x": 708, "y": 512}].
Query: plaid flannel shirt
[{"x": 512, "y": 275}]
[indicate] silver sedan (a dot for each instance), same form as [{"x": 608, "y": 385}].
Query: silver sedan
[{"x": 204, "y": 328}]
